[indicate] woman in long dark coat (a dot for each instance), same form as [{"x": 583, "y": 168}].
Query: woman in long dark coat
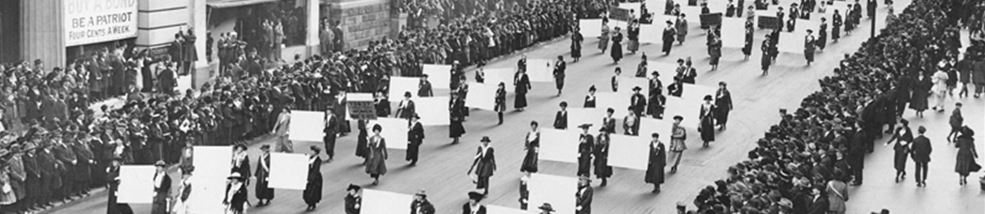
[
  {"x": 633, "y": 35},
  {"x": 312, "y": 190},
  {"x": 921, "y": 91},
  {"x": 576, "y": 39},
  {"x": 965, "y": 162},
  {"x": 601, "y": 152},
  {"x": 522, "y": 87},
  {"x": 585, "y": 146},
  {"x": 500, "y": 101},
  {"x": 456, "y": 108},
  {"x": 616, "y": 52},
  {"x": 714, "y": 49},
  {"x": 835, "y": 26},
  {"x": 532, "y": 148},
  {"x": 747, "y": 47},
  {"x": 361, "y": 141},
  {"x": 767, "y": 58},
  {"x": 590, "y": 98},
  {"x": 707, "y": 127},
  {"x": 655, "y": 164},
  {"x": 376, "y": 158},
  {"x": 822, "y": 34}
]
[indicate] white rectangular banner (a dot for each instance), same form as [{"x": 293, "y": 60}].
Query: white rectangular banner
[
  {"x": 697, "y": 92},
  {"x": 578, "y": 116},
  {"x": 288, "y": 171},
  {"x": 493, "y": 209},
  {"x": 540, "y": 70},
  {"x": 666, "y": 71},
  {"x": 433, "y": 110},
  {"x": 559, "y": 145},
  {"x": 590, "y": 28},
  {"x": 629, "y": 151},
  {"x": 494, "y": 76},
  {"x": 136, "y": 184},
  {"x": 664, "y": 127},
  {"x": 394, "y": 131},
  {"x": 213, "y": 164},
  {"x": 438, "y": 75},
  {"x": 383, "y": 202},
  {"x": 618, "y": 101},
  {"x": 400, "y": 85},
  {"x": 94, "y": 21},
  {"x": 687, "y": 108},
  {"x": 481, "y": 96},
  {"x": 559, "y": 191},
  {"x": 733, "y": 32},
  {"x": 626, "y": 84},
  {"x": 792, "y": 42},
  {"x": 307, "y": 126}
]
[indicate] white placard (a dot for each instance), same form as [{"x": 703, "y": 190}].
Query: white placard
[
  {"x": 691, "y": 13},
  {"x": 540, "y": 70},
  {"x": 438, "y": 75},
  {"x": 656, "y": 7},
  {"x": 399, "y": 85},
  {"x": 618, "y": 101},
  {"x": 494, "y": 76},
  {"x": 688, "y": 108},
  {"x": 653, "y": 33},
  {"x": 136, "y": 184},
  {"x": 792, "y": 42},
  {"x": 307, "y": 126},
  {"x": 559, "y": 145},
  {"x": 664, "y": 128},
  {"x": 382, "y": 202},
  {"x": 433, "y": 110},
  {"x": 590, "y": 28},
  {"x": 626, "y": 84},
  {"x": 733, "y": 32},
  {"x": 394, "y": 131},
  {"x": 629, "y": 151},
  {"x": 493, "y": 209},
  {"x": 558, "y": 191},
  {"x": 288, "y": 171},
  {"x": 481, "y": 96},
  {"x": 94, "y": 21},
  {"x": 213, "y": 165},
  {"x": 578, "y": 116}
]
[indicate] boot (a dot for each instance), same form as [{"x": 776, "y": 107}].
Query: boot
[{"x": 604, "y": 182}]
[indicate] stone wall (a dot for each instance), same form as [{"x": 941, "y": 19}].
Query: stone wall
[{"x": 362, "y": 20}]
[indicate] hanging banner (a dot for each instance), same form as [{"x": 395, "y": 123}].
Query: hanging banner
[{"x": 94, "y": 21}]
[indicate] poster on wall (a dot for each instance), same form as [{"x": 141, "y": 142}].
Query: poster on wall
[{"x": 94, "y": 21}]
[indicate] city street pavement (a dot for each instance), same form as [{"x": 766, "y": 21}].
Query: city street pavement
[{"x": 442, "y": 168}]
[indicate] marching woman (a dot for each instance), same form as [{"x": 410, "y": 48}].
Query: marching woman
[
  {"x": 822, "y": 37},
  {"x": 723, "y": 100},
  {"x": 655, "y": 163},
  {"x": 406, "y": 107},
  {"x": 681, "y": 26},
  {"x": 585, "y": 145},
  {"x": 921, "y": 91},
  {"x": 677, "y": 139},
  {"x": 604, "y": 37},
  {"x": 601, "y": 152},
  {"x": 631, "y": 123},
  {"x": 484, "y": 165},
  {"x": 616, "y": 52},
  {"x": 747, "y": 47},
  {"x": 263, "y": 192},
  {"x": 500, "y": 101},
  {"x": 457, "y": 110},
  {"x": 235, "y": 199},
  {"x": 903, "y": 137},
  {"x": 415, "y": 137},
  {"x": 362, "y": 141},
  {"x": 576, "y": 39},
  {"x": 707, "y": 126},
  {"x": 312, "y": 190},
  {"x": 835, "y": 26},
  {"x": 614, "y": 82},
  {"x": 377, "y": 155},
  {"x": 531, "y": 147},
  {"x": 967, "y": 154},
  {"x": 241, "y": 161},
  {"x": 559, "y": 67},
  {"x": 522, "y": 85},
  {"x": 641, "y": 68},
  {"x": 766, "y": 59},
  {"x": 809, "y": 46},
  {"x": 184, "y": 190},
  {"x": 590, "y": 98},
  {"x": 668, "y": 37},
  {"x": 633, "y": 34},
  {"x": 714, "y": 48}
]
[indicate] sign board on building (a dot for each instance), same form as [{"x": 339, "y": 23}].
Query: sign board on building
[{"x": 94, "y": 21}]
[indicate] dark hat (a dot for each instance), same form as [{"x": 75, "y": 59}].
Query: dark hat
[
  {"x": 637, "y": 88},
  {"x": 477, "y": 196},
  {"x": 353, "y": 187},
  {"x": 159, "y": 163},
  {"x": 707, "y": 97},
  {"x": 485, "y": 139},
  {"x": 585, "y": 126},
  {"x": 265, "y": 146},
  {"x": 678, "y": 117},
  {"x": 546, "y": 207},
  {"x": 236, "y": 176},
  {"x": 592, "y": 88},
  {"x": 187, "y": 169},
  {"x": 421, "y": 193}
]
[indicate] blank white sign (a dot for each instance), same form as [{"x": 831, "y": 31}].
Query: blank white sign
[
  {"x": 481, "y": 96},
  {"x": 697, "y": 92},
  {"x": 792, "y": 42},
  {"x": 382, "y": 202},
  {"x": 307, "y": 126},
  {"x": 433, "y": 110},
  {"x": 136, "y": 184},
  {"x": 578, "y": 116},
  {"x": 288, "y": 171},
  {"x": 626, "y": 84},
  {"x": 559, "y": 191},
  {"x": 629, "y": 151},
  {"x": 213, "y": 164},
  {"x": 559, "y": 145},
  {"x": 438, "y": 75},
  {"x": 688, "y": 108},
  {"x": 664, "y": 128},
  {"x": 666, "y": 71},
  {"x": 494, "y": 76},
  {"x": 590, "y": 28},
  {"x": 618, "y": 101},
  {"x": 733, "y": 32},
  {"x": 399, "y": 85},
  {"x": 540, "y": 70},
  {"x": 394, "y": 131}
]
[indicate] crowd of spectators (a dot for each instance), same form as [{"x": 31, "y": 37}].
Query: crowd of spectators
[{"x": 821, "y": 146}]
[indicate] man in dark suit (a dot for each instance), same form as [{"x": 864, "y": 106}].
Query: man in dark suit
[
  {"x": 561, "y": 118},
  {"x": 583, "y": 198},
  {"x": 263, "y": 193},
  {"x": 331, "y": 131},
  {"x": 921, "y": 156},
  {"x": 166, "y": 80},
  {"x": 415, "y": 136},
  {"x": 162, "y": 189},
  {"x": 819, "y": 203},
  {"x": 82, "y": 173}
]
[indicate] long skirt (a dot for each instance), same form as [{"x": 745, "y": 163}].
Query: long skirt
[
  {"x": 361, "y": 143},
  {"x": 964, "y": 162},
  {"x": 809, "y": 54},
  {"x": 721, "y": 116},
  {"x": 667, "y": 45},
  {"x": 456, "y": 129},
  {"x": 575, "y": 50},
  {"x": 899, "y": 160},
  {"x": 262, "y": 190},
  {"x": 602, "y": 168},
  {"x": 633, "y": 45},
  {"x": 919, "y": 100},
  {"x": 707, "y": 129},
  {"x": 603, "y": 43},
  {"x": 714, "y": 60},
  {"x": 529, "y": 161},
  {"x": 616, "y": 51},
  {"x": 584, "y": 166},
  {"x": 312, "y": 192},
  {"x": 836, "y": 32},
  {"x": 766, "y": 62},
  {"x": 520, "y": 101}
]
